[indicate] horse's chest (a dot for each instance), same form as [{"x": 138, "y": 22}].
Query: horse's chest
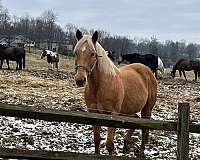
[
  {"x": 50, "y": 59},
  {"x": 102, "y": 99}
]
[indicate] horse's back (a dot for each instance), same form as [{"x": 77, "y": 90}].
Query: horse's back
[
  {"x": 140, "y": 86},
  {"x": 12, "y": 53},
  {"x": 149, "y": 60},
  {"x": 195, "y": 63}
]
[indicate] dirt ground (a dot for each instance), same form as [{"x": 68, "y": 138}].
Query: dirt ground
[{"x": 36, "y": 86}]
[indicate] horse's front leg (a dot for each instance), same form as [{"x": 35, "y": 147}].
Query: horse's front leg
[
  {"x": 57, "y": 65},
  {"x": 17, "y": 64},
  {"x": 49, "y": 66},
  {"x": 184, "y": 75},
  {"x": 53, "y": 65},
  {"x": 195, "y": 74},
  {"x": 1, "y": 64},
  {"x": 7, "y": 61},
  {"x": 110, "y": 140},
  {"x": 180, "y": 73},
  {"x": 97, "y": 138}
]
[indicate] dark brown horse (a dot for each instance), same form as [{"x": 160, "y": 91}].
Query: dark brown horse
[
  {"x": 13, "y": 54},
  {"x": 183, "y": 65}
]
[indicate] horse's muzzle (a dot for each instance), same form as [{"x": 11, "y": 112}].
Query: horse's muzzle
[{"x": 80, "y": 82}]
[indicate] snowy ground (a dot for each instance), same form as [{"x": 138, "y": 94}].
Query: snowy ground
[{"x": 57, "y": 90}]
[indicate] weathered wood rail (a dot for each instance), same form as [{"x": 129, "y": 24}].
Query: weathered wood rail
[
  {"x": 182, "y": 126},
  {"x": 54, "y": 155}
]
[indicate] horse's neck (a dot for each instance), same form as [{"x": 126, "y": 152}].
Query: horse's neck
[
  {"x": 98, "y": 78},
  {"x": 174, "y": 69},
  {"x": 104, "y": 69}
]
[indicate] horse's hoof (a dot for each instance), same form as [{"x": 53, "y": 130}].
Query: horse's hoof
[
  {"x": 126, "y": 148},
  {"x": 112, "y": 153},
  {"x": 139, "y": 152},
  {"x": 142, "y": 148}
]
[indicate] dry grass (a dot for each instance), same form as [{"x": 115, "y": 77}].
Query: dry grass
[{"x": 37, "y": 86}]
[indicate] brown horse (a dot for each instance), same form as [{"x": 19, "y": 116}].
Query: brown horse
[
  {"x": 183, "y": 65},
  {"x": 52, "y": 58},
  {"x": 128, "y": 90}
]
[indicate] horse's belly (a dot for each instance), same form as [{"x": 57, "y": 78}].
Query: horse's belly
[
  {"x": 135, "y": 91},
  {"x": 133, "y": 104}
]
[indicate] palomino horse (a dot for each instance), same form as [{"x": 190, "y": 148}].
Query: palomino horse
[
  {"x": 183, "y": 65},
  {"x": 128, "y": 90},
  {"x": 52, "y": 58},
  {"x": 13, "y": 54}
]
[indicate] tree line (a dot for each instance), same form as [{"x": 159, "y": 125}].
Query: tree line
[{"x": 45, "y": 29}]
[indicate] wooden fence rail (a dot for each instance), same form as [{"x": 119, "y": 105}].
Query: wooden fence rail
[
  {"x": 182, "y": 126},
  {"x": 54, "y": 155}
]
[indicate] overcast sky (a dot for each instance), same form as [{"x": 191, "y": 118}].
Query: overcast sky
[{"x": 167, "y": 19}]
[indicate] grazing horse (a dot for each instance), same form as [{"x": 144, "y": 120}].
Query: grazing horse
[
  {"x": 52, "y": 58},
  {"x": 149, "y": 60},
  {"x": 183, "y": 65},
  {"x": 127, "y": 90},
  {"x": 14, "y": 54}
]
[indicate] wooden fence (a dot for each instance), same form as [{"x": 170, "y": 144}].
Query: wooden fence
[{"x": 182, "y": 126}]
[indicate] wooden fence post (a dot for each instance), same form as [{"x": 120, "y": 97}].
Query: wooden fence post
[{"x": 183, "y": 131}]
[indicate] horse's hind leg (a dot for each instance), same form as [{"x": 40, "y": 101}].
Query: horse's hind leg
[
  {"x": 195, "y": 74},
  {"x": 53, "y": 65},
  {"x": 184, "y": 75},
  {"x": 127, "y": 138},
  {"x": 1, "y": 64},
  {"x": 57, "y": 65},
  {"x": 146, "y": 113},
  {"x": 7, "y": 61},
  {"x": 20, "y": 64},
  {"x": 97, "y": 138},
  {"x": 110, "y": 140},
  {"x": 17, "y": 64}
]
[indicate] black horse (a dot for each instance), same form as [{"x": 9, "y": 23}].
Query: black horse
[
  {"x": 111, "y": 55},
  {"x": 13, "y": 54},
  {"x": 149, "y": 60}
]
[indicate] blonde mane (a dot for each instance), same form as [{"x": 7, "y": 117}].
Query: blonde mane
[{"x": 104, "y": 63}]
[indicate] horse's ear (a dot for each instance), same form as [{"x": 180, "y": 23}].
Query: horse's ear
[
  {"x": 95, "y": 37},
  {"x": 79, "y": 34}
]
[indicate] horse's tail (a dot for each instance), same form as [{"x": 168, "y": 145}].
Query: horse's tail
[{"x": 24, "y": 59}]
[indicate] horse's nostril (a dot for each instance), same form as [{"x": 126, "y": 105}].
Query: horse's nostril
[{"x": 80, "y": 82}]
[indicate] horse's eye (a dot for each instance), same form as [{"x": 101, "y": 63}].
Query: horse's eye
[{"x": 92, "y": 54}]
